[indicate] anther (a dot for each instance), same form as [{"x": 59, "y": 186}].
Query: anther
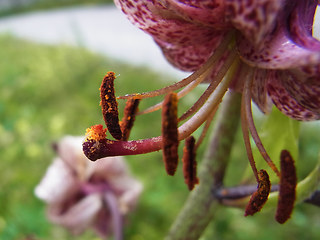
[
  {"x": 170, "y": 140},
  {"x": 189, "y": 163},
  {"x": 287, "y": 191},
  {"x": 129, "y": 116},
  {"x": 259, "y": 197},
  {"x": 109, "y": 105}
]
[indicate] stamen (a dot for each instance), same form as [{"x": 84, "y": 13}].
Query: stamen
[
  {"x": 259, "y": 198},
  {"x": 189, "y": 163},
  {"x": 205, "y": 111},
  {"x": 109, "y": 105},
  {"x": 213, "y": 85},
  {"x": 170, "y": 140},
  {"x": 210, "y": 62},
  {"x": 250, "y": 123},
  {"x": 180, "y": 94},
  {"x": 128, "y": 119},
  {"x": 287, "y": 191},
  {"x": 206, "y": 128}
]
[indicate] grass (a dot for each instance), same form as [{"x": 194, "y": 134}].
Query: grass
[{"x": 47, "y": 92}]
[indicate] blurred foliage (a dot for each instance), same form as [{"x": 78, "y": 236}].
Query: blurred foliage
[
  {"x": 47, "y": 92},
  {"x": 8, "y": 7}
]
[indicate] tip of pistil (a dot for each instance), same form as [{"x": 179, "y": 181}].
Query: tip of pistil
[{"x": 96, "y": 133}]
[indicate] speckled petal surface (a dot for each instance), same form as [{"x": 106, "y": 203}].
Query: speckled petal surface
[
  {"x": 205, "y": 12},
  {"x": 189, "y": 58},
  {"x": 306, "y": 92},
  {"x": 278, "y": 52},
  {"x": 254, "y": 19},
  {"x": 286, "y": 103},
  {"x": 163, "y": 24}
]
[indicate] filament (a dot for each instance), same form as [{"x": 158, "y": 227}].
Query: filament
[
  {"x": 251, "y": 126},
  {"x": 209, "y": 63},
  {"x": 213, "y": 85},
  {"x": 245, "y": 130}
]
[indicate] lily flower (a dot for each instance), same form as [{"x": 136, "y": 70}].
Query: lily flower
[
  {"x": 261, "y": 48},
  {"x": 82, "y": 194}
]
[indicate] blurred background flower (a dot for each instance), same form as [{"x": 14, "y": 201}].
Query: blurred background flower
[{"x": 81, "y": 193}]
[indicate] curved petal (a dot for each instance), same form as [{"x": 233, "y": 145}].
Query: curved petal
[
  {"x": 259, "y": 90},
  {"x": 254, "y": 19},
  {"x": 277, "y": 52},
  {"x": 189, "y": 58},
  {"x": 306, "y": 92},
  {"x": 58, "y": 183},
  {"x": 286, "y": 103},
  {"x": 300, "y": 25},
  {"x": 79, "y": 216},
  {"x": 205, "y": 12},
  {"x": 109, "y": 167},
  {"x": 163, "y": 24}
]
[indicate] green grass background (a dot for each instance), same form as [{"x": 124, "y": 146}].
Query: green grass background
[{"x": 47, "y": 92}]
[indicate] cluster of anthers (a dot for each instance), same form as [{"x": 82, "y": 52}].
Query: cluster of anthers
[{"x": 96, "y": 145}]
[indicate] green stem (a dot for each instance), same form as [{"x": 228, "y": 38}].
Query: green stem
[{"x": 200, "y": 206}]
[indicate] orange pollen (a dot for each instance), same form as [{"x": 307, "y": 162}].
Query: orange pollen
[{"x": 96, "y": 133}]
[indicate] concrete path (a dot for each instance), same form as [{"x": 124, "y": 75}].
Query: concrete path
[{"x": 102, "y": 29}]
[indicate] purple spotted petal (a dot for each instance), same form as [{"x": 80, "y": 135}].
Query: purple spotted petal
[
  {"x": 189, "y": 58},
  {"x": 254, "y": 19},
  {"x": 286, "y": 103},
  {"x": 300, "y": 25},
  {"x": 163, "y": 24},
  {"x": 259, "y": 89},
  {"x": 306, "y": 92},
  {"x": 278, "y": 52},
  {"x": 204, "y": 12}
]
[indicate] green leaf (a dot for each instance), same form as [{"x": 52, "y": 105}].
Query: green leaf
[{"x": 277, "y": 132}]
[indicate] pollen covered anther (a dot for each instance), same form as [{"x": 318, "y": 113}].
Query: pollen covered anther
[
  {"x": 259, "y": 197},
  {"x": 189, "y": 163},
  {"x": 287, "y": 191},
  {"x": 109, "y": 105},
  {"x": 129, "y": 116},
  {"x": 170, "y": 140}
]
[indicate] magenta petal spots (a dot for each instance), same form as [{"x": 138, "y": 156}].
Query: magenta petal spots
[
  {"x": 278, "y": 52},
  {"x": 189, "y": 58},
  {"x": 165, "y": 25},
  {"x": 286, "y": 103},
  {"x": 206, "y": 12},
  {"x": 306, "y": 93},
  {"x": 259, "y": 89},
  {"x": 254, "y": 19}
]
